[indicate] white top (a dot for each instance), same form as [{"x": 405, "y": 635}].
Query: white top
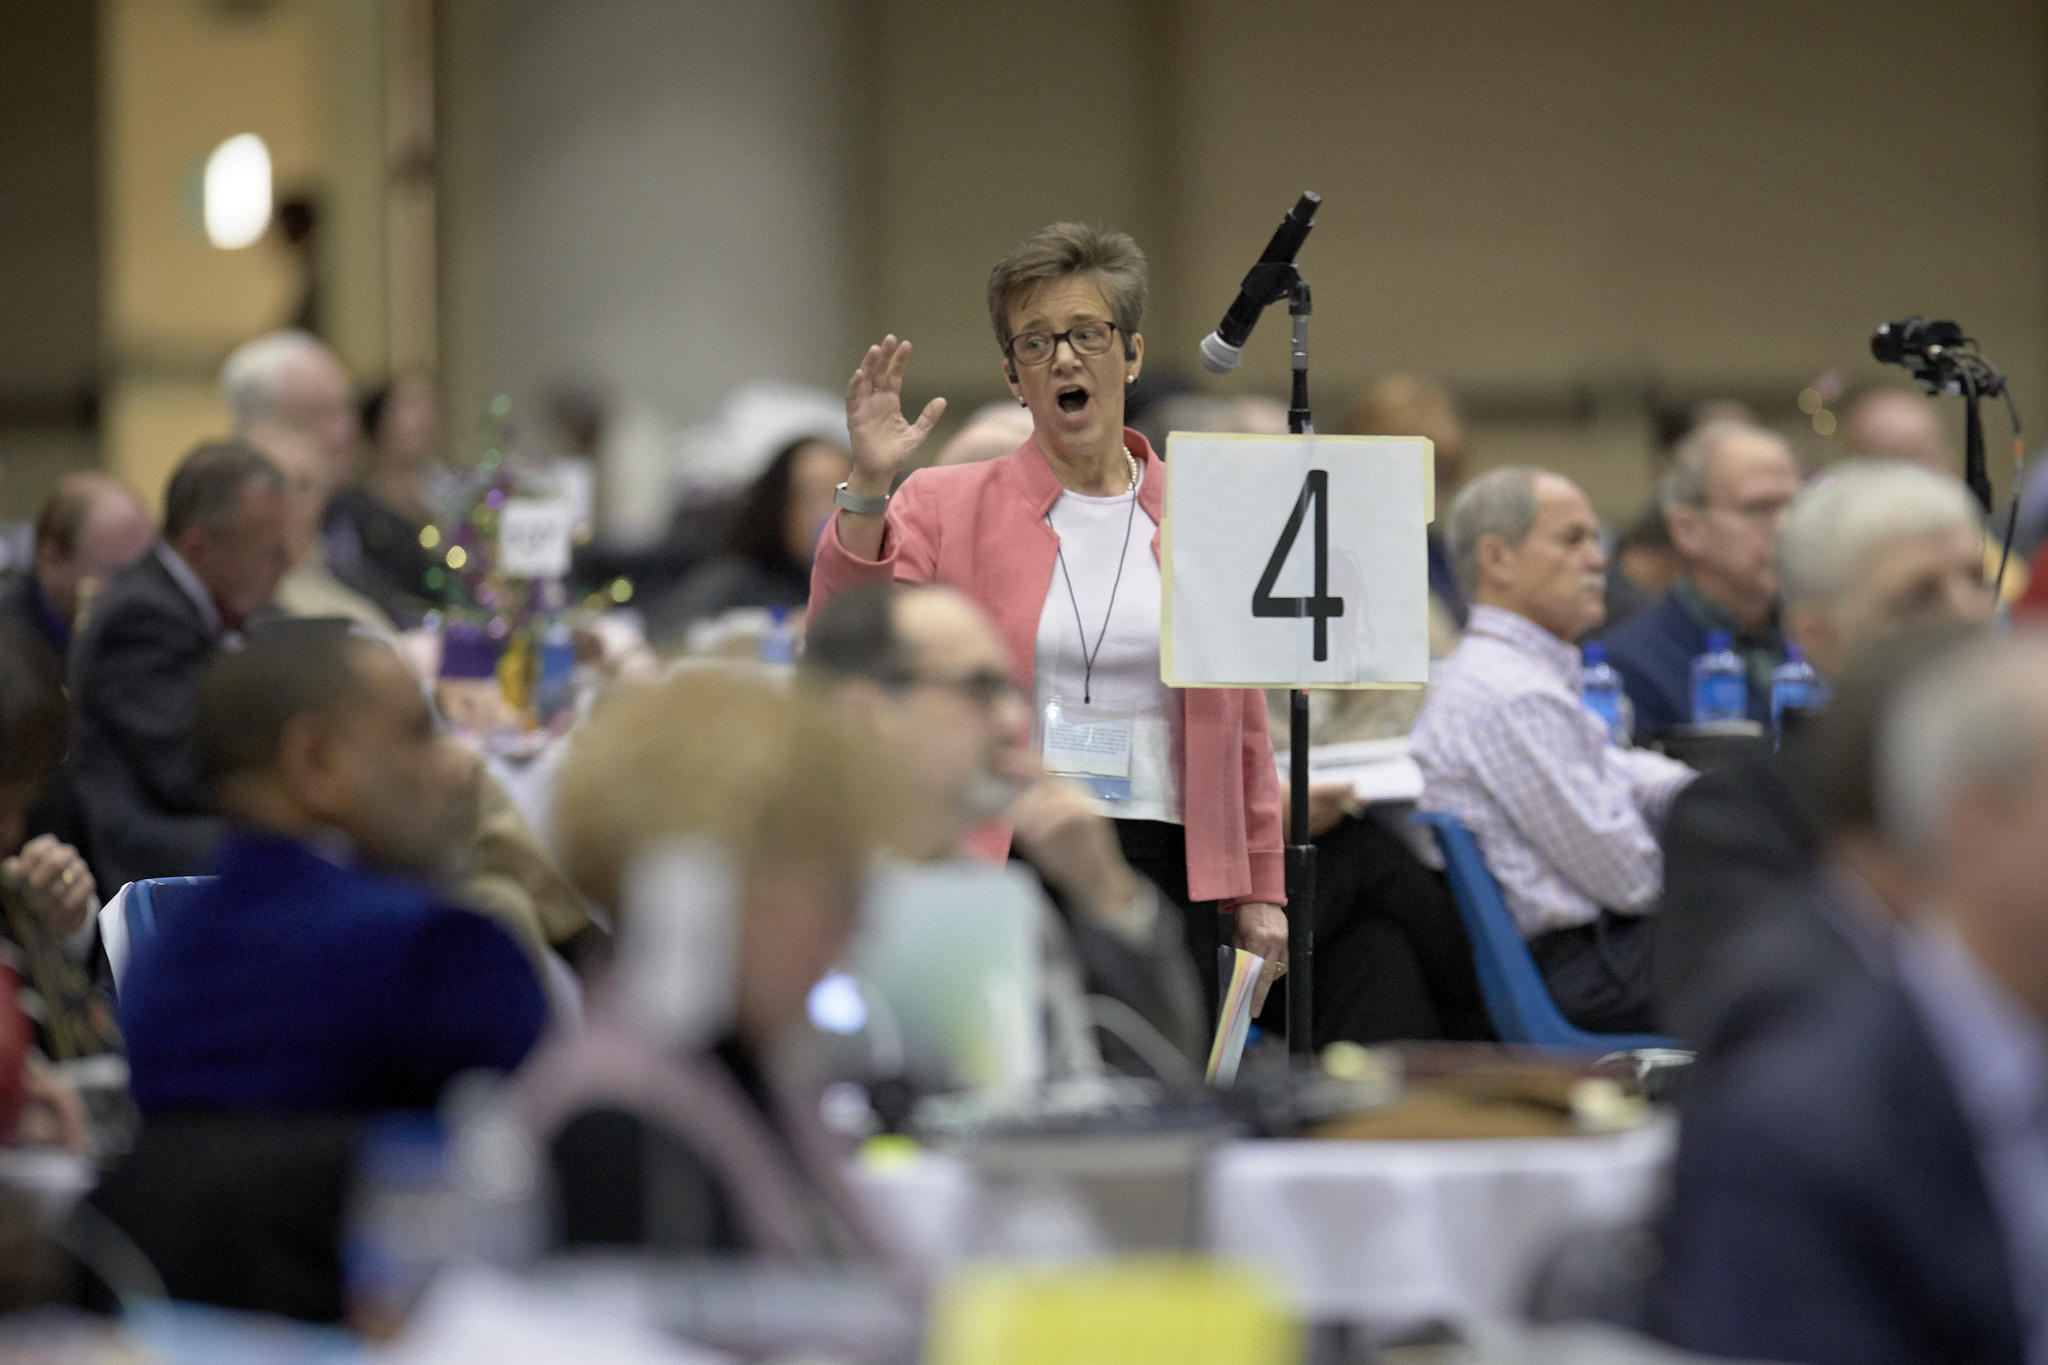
[{"x": 1126, "y": 672}]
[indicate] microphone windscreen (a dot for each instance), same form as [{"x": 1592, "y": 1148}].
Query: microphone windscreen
[{"x": 1219, "y": 356}]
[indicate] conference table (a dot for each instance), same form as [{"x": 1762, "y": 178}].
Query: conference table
[{"x": 1390, "y": 1235}]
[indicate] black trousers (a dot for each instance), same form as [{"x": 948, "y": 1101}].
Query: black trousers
[
  {"x": 1599, "y": 973},
  {"x": 1392, "y": 960},
  {"x": 1159, "y": 851}
]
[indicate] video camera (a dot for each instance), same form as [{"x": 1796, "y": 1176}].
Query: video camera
[{"x": 1937, "y": 354}]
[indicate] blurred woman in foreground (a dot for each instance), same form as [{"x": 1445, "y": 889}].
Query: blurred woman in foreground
[{"x": 728, "y": 828}]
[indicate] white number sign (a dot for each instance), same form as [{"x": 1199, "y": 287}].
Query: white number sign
[
  {"x": 533, "y": 538},
  {"x": 1296, "y": 561}
]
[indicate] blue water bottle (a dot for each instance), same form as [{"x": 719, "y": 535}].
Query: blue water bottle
[
  {"x": 1720, "y": 684},
  {"x": 1794, "y": 687},
  {"x": 556, "y": 692},
  {"x": 1603, "y": 694},
  {"x": 778, "y": 645}
]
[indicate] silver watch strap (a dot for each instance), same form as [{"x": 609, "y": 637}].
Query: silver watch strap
[{"x": 855, "y": 503}]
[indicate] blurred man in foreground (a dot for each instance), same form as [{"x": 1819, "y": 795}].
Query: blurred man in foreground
[
  {"x": 729, "y": 830},
  {"x": 323, "y": 971},
  {"x": 1880, "y": 543},
  {"x": 1724, "y": 499},
  {"x": 1868, "y": 1187},
  {"x": 1566, "y": 821},
  {"x": 136, "y": 666},
  {"x": 925, "y": 673},
  {"x": 91, "y": 527}
]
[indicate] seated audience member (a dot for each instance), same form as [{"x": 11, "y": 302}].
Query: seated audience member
[
  {"x": 90, "y": 528},
  {"x": 1412, "y": 405},
  {"x": 672, "y": 1120},
  {"x": 1795, "y": 934},
  {"x": 996, "y": 429},
  {"x": 766, "y": 557},
  {"x": 395, "y": 500},
  {"x": 46, "y": 890},
  {"x": 1877, "y": 544},
  {"x": 505, "y": 873},
  {"x": 1902, "y": 424},
  {"x": 287, "y": 381},
  {"x": 1866, "y": 1187},
  {"x": 309, "y": 588},
  {"x": 1645, "y": 565},
  {"x": 323, "y": 971},
  {"x": 136, "y": 665},
  {"x": 1393, "y": 961},
  {"x": 1566, "y": 821},
  {"x": 923, "y": 672},
  {"x": 1898, "y": 424},
  {"x": 1724, "y": 498}
]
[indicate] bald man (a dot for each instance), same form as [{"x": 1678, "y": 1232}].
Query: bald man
[
  {"x": 91, "y": 527},
  {"x": 1897, "y": 424}
]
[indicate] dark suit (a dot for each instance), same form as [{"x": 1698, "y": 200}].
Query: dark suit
[
  {"x": 60, "y": 810},
  {"x": 135, "y": 671},
  {"x": 1828, "y": 1205},
  {"x": 1653, "y": 653},
  {"x": 23, "y": 604},
  {"x": 1737, "y": 842}
]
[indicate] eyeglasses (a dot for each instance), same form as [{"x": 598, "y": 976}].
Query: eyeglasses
[
  {"x": 1087, "y": 339},
  {"x": 984, "y": 687}
]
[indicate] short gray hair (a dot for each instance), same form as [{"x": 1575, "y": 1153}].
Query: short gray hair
[
  {"x": 1833, "y": 526},
  {"x": 1692, "y": 461},
  {"x": 1059, "y": 251},
  {"x": 1500, "y": 502},
  {"x": 250, "y": 379},
  {"x": 1969, "y": 722}
]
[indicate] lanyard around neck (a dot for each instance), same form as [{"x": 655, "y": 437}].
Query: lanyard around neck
[{"x": 1088, "y": 656}]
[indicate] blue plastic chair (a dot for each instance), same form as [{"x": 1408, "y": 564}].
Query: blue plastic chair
[
  {"x": 1516, "y": 999},
  {"x": 148, "y": 906}
]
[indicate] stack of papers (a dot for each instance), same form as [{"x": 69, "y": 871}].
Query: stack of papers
[
  {"x": 1236, "y": 1016},
  {"x": 1377, "y": 769}
]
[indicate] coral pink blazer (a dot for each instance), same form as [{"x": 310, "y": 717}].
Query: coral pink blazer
[{"x": 981, "y": 528}]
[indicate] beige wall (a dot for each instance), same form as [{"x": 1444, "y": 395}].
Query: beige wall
[
  {"x": 1537, "y": 201},
  {"x": 176, "y": 78},
  {"x": 645, "y": 194},
  {"x": 49, "y": 249}
]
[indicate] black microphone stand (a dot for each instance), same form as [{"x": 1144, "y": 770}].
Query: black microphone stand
[
  {"x": 1975, "y": 472},
  {"x": 1301, "y": 854}
]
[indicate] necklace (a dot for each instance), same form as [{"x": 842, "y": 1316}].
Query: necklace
[{"x": 1088, "y": 656}]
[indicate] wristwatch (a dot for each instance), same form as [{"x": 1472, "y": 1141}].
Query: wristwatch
[{"x": 855, "y": 503}]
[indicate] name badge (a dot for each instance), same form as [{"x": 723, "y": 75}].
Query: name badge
[{"x": 1091, "y": 745}]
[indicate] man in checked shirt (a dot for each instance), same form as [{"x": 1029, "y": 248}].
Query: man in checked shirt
[{"x": 1566, "y": 821}]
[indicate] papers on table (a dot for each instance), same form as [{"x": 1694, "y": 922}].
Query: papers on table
[{"x": 1377, "y": 769}]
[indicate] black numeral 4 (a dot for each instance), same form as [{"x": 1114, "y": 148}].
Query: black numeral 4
[{"x": 1315, "y": 490}]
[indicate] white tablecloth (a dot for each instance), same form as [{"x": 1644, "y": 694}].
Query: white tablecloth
[
  {"x": 1388, "y": 1233},
  {"x": 1400, "y": 1232}
]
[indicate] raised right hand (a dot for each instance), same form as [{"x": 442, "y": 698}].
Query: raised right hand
[{"x": 883, "y": 442}]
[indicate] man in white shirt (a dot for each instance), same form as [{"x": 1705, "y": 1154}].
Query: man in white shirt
[{"x": 1566, "y": 822}]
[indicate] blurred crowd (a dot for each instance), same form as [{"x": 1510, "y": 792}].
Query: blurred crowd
[{"x": 1756, "y": 775}]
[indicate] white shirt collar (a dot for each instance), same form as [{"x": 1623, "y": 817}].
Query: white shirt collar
[
  {"x": 1511, "y": 628},
  {"x": 1995, "y": 1049}
]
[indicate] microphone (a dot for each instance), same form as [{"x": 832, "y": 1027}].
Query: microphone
[{"x": 1223, "y": 349}]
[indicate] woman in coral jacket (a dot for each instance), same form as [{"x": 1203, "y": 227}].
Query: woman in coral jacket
[{"x": 1058, "y": 542}]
